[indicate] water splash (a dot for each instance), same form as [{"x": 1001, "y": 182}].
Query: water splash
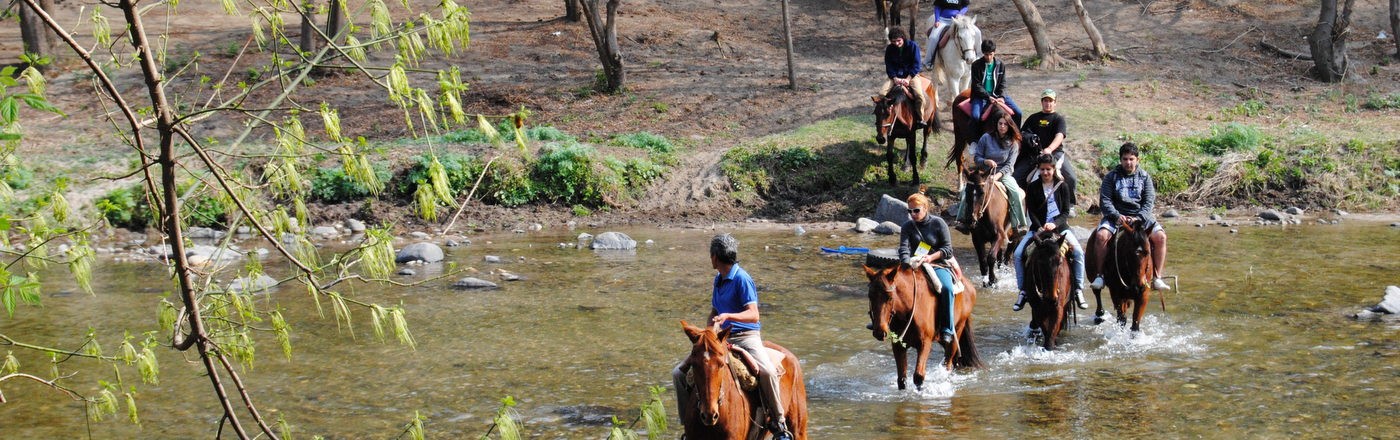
[{"x": 870, "y": 377}]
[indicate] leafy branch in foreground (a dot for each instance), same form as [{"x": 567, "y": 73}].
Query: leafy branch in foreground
[{"x": 176, "y": 166}]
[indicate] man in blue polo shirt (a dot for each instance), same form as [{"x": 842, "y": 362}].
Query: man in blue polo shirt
[{"x": 734, "y": 305}]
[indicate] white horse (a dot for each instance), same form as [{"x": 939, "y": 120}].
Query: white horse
[{"x": 954, "y": 64}]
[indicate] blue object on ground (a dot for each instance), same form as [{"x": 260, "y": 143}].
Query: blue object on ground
[{"x": 846, "y": 250}]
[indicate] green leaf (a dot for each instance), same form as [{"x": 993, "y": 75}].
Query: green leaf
[
  {"x": 39, "y": 103},
  {"x": 8, "y": 71},
  {"x": 9, "y": 110},
  {"x": 10, "y": 136}
]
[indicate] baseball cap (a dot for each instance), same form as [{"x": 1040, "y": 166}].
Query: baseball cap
[{"x": 1048, "y": 93}]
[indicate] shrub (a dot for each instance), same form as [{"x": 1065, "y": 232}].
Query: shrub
[
  {"x": 331, "y": 185},
  {"x": 508, "y": 183},
  {"x": 507, "y": 131},
  {"x": 1231, "y": 137},
  {"x": 205, "y": 210},
  {"x": 461, "y": 169},
  {"x": 1376, "y": 101},
  {"x": 654, "y": 143},
  {"x": 16, "y": 175},
  {"x": 547, "y": 133},
  {"x": 571, "y": 173},
  {"x": 125, "y": 208}
]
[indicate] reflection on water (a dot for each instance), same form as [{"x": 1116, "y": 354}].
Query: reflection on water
[{"x": 1253, "y": 346}]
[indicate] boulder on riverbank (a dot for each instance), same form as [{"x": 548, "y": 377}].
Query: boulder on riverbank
[
  {"x": 1388, "y": 309},
  {"x": 425, "y": 252},
  {"x": 613, "y": 241}
]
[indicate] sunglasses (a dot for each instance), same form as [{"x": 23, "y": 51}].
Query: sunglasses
[{"x": 916, "y": 210}]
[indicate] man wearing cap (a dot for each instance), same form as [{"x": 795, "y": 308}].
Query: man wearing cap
[{"x": 1049, "y": 129}]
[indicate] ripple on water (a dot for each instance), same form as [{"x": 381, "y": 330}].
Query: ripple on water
[{"x": 870, "y": 377}]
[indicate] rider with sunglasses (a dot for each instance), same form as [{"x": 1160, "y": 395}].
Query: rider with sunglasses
[{"x": 925, "y": 244}]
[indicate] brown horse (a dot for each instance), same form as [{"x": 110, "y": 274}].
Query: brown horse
[
  {"x": 1047, "y": 285},
  {"x": 894, "y": 118},
  {"x": 901, "y": 301},
  {"x": 967, "y": 129},
  {"x": 992, "y": 234},
  {"x": 888, "y": 11},
  {"x": 720, "y": 408},
  {"x": 1127, "y": 271}
]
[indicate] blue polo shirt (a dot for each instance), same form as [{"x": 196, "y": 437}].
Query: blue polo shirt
[{"x": 733, "y": 292}]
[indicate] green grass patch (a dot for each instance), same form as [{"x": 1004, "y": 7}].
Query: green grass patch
[
  {"x": 1377, "y": 101},
  {"x": 654, "y": 143},
  {"x": 331, "y": 185}
]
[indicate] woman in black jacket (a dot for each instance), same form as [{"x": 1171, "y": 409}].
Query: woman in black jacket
[{"x": 1047, "y": 205}]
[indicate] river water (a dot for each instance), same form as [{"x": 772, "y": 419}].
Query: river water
[{"x": 1255, "y": 344}]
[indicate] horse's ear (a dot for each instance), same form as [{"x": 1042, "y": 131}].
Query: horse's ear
[
  {"x": 871, "y": 273},
  {"x": 691, "y": 331},
  {"x": 723, "y": 334}
]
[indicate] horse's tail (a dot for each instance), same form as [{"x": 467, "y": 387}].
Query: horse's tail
[{"x": 967, "y": 349}]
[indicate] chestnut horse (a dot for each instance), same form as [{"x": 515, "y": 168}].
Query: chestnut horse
[
  {"x": 720, "y": 408},
  {"x": 1047, "y": 285},
  {"x": 901, "y": 300},
  {"x": 991, "y": 223},
  {"x": 894, "y": 118},
  {"x": 1127, "y": 271}
]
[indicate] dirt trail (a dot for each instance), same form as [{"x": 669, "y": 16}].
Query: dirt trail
[{"x": 712, "y": 73}]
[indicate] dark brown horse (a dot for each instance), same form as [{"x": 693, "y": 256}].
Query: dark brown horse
[
  {"x": 967, "y": 129},
  {"x": 902, "y": 304},
  {"x": 721, "y": 409},
  {"x": 888, "y": 11},
  {"x": 894, "y": 119},
  {"x": 1127, "y": 271},
  {"x": 1047, "y": 285},
  {"x": 992, "y": 234}
]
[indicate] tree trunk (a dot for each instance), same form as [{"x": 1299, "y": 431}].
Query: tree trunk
[
  {"x": 787, "y": 37},
  {"x": 1395, "y": 25},
  {"x": 308, "y": 27},
  {"x": 1044, "y": 48},
  {"x": 571, "y": 12},
  {"x": 1095, "y": 39},
  {"x": 1328, "y": 41},
  {"x": 36, "y": 37},
  {"x": 605, "y": 38},
  {"x": 335, "y": 20}
]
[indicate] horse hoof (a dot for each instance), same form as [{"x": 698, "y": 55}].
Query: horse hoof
[{"x": 1098, "y": 320}]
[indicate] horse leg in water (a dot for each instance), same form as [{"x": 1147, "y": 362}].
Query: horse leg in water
[
  {"x": 1139, "y": 307},
  {"x": 921, "y": 365},
  {"x": 983, "y": 265},
  {"x": 901, "y": 362},
  {"x": 1091, "y": 263}
]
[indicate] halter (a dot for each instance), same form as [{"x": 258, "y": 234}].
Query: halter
[
  {"x": 719, "y": 401},
  {"x": 954, "y": 27}
]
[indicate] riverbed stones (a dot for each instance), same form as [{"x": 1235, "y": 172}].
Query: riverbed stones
[
  {"x": 799, "y": 231},
  {"x": 890, "y": 209},
  {"x": 420, "y": 235},
  {"x": 1294, "y": 210},
  {"x": 407, "y": 272},
  {"x": 1215, "y": 217},
  {"x": 1271, "y": 215},
  {"x": 249, "y": 284},
  {"x": 325, "y": 231},
  {"x": 864, "y": 225},
  {"x": 1391, "y": 303},
  {"x": 493, "y": 259},
  {"x": 613, "y": 241},
  {"x": 1171, "y": 213},
  {"x": 423, "y": 251},
  {"x": 474, "y": 283},
  {"x": 886, "y": 228},
  {"x": 202, "y": 254},
  {"x": 536, "y": 226},
  {"x": 355, "y": 226},
  {"x": 199, "y": 232},
  {"x": 507, "y": 276},
  {"x": 583, "y": 239}
]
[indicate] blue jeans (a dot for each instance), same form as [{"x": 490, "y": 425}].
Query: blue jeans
[
  {"x": 1076, "y": 261},
  {"x": 980, "y": 104},
  {"x": 945, "y": 278}
]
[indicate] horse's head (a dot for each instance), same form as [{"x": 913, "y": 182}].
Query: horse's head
[
  {"x": 968, "y": 37},
  {"x": 883, "y": 291},
  {"x": 1135, "y": 250},
  {"x": 709, "y": 366},
  {"x": 1043, "y": 262},
  {"x": 891, "y": 109}
]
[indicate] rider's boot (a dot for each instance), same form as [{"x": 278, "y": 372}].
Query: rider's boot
[
  {"x": 780, "y": 430},
  {"x": 1020, "y": 302},
  {"x": 1079, "y": 299},
  {"x": 1158, "y": 284}
]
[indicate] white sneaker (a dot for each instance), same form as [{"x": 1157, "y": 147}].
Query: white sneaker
[
  {"x": 1158, "y": 284},
  {"x": 1098, "y": 283}
]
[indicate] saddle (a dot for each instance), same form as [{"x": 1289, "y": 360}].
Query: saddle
[
  {"x": 936, "y": 285},
  {"x": 742, "y": 367}
]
